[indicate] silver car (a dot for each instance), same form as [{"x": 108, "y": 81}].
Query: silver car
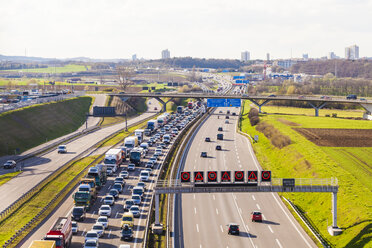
[{"x": 99, "y": 229}]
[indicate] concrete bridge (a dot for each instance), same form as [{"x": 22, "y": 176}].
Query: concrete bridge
[{"x": 259, "y": 100}]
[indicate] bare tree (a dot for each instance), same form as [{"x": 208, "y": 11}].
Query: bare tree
[{"x": 124, "y": 76}]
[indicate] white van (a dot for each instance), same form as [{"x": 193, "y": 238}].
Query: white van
[{"x": 144, "y": 176}]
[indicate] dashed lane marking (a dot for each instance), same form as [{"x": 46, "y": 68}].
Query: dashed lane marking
[
  {"x": 271, "y": 230},
  {"x": 254, "y": 198},
  {"x": 277, "y": 241}
]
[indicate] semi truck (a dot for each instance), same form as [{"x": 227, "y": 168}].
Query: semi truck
[
  {"x": 152, "y": 125},
  {"x": 161, "y": 120},
  {"x": 43, "y": 244},
  {"x": 83, "y": 199},
  {"x": 130, "y": 142},
  {"x": 139, "y": 134},
  {"x": 60, "y": 232},
  {"x": 98, "y": 172},
  {"x": 135, "y": 155},
  {"x": 114, "y": 156},
  {"x": 190, "y": 105},
  {"x": 87, "y": 188}
]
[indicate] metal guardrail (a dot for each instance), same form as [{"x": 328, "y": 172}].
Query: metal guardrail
[
  {"x": 40, "y": 185},
  {"x": 308, "y": 224}
]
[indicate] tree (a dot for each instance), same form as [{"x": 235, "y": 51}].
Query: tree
[{"x": 124, "y": 76}]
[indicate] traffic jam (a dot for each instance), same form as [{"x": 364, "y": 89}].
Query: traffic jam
[{"x": 113, "y": 200}]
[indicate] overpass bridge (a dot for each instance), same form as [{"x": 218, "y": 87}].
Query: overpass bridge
[{"x": 259, "y": 100}]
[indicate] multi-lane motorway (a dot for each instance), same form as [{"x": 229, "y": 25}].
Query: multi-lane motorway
[{"x": 205, "y": 216}]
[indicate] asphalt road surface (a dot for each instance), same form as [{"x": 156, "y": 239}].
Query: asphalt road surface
[
  {"x": 37, "y": 168},
  {"x": 205, "y": 216}
]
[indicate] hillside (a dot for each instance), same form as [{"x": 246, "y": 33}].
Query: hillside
[{"x": 32, "y": 126}]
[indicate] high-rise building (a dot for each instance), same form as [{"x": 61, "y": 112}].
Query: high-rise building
[
  {"x": 305, "y": 56},
  {"x": 134, "y": 57},
  {"x": 245, "y": 56},
  {"x": 165, "y": 54},
  {"x": 267, "y": 56},
  {"x": 352, "y": 52},
  {"x": 332, "y": 55}
]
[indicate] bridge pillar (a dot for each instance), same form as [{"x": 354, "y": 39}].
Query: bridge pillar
[
  {"x": 318, "y": 107},
  {"x": 259, "y": 105},
  {"x": 368, "y": 107},
  {"x": 334, "y": 230},
  {"x": 157, "y": 221}
]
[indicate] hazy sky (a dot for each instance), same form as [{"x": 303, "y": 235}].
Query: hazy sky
[{"x": 197, "y": 28}]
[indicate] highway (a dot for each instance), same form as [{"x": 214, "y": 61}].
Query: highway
[
  {"x": 37, "y": 168},
  {"x": 112, "y": 233},
  {"x": 205, "y": 216}
]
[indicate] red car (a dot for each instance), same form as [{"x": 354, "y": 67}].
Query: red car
[{"x": 256, "y": 216}]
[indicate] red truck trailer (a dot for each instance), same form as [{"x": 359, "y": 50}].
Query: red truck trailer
[
  {"x": 60, "y": 232},
  {"x": 190, "y": 105}
]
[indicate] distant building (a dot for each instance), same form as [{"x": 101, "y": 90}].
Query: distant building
[
  {"x": 285, "y": 63},
  {"x": 134, "y": 57},
  {"x": 332, "y": 55},
  {"x": 305, "y": 56},
  {"x": 245, "y": 56},
  {"x": 268, "y": 56},
  {"x": 352, "y": 52},
  {"x": 165, "y": 54}
]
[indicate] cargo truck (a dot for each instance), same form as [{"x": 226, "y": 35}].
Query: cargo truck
[
  {"x": 83, "y": 199},
  {"x": 152, "y": 125},
  {"x": 179, "y": 109},
  {"x": 87, "y": 188},
  {"x": 130, "y": 143},
  {"x": 190, "y": 105},
  {"x": 135, "y": 155},
  {"x": 60, "y": 232},
  {"x": 43, "y": 244},
  {"x": 139, "y": 134},
  {"x": 161, "y": 120},
  {"x": 91, "y": 182},
  {"x": 114, "y": 156},
  {"x": 98, "y": 172}
]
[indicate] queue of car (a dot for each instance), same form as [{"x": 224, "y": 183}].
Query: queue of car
[{"x": 132, "y": 205}]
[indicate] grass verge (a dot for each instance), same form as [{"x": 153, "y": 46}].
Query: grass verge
[
  {"x": 304, "y": 159},
  {"x": 5, "y": 178}
]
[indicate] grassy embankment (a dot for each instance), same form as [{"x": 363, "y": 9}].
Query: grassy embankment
[
  {"x": 57, "y": 69},
  {"x": 304, "y": 159},
  {"x": 31, "y": 126},
  {"x": 29, "y": 210}
]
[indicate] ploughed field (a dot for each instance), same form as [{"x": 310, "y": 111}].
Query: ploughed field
[{"x": 338, "y": 137}]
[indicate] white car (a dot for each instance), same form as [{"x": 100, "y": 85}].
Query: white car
[
  {"x": 135, "y": 210},
  {"x": 109, "y": 200},
  {"x": 105, "y": 210},
  {"x": 91, "y": 243},
  {"x": 144, "y": 176},
  {"x": 124, "y": 174},
  {"x": 103, "y": 220},
  {"x": 99, "y": 229},
  {"x": 136, "y": 199},
  {"x": 131, "y": 167},
  {"x": 91, "y": 235},
  {"x": 62, "y": 149}
]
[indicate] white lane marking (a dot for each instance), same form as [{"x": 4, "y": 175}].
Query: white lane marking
[
  {"x": 241, "y": 218},
  {"x": 194, "y": 196},
  {"x": 271, "y": 230},
  {"x": 101, "y": 199},
  {"x": 240, "y": 210},
  {"x": 254, "y": 198},
  {"x": 246, "y": 226},
  {"x": 83, "y": 233},
  {"x": 240, "y": 165},
  {"x": 93, "y": 213},
  {"x": 110, "y": 187},
  {"x": 221, "y": 228},
  {"x": 258, "y": 206},
  {"x": 263, "y": 217},
  {"x": 216, "y": 211},
  {"x": 194, "y": 167},
  {"x": 291, "y": 220},
  {"x": 197, "y": 227},
  {"x": 200, "y": 246},
  {"x": 195, "y": 210},
  {"x": 116, "y": 215},
  {"x": 277, "y": 241},
  {"x": 214, "y": 198},
  {"x": 108, "y": 236}
]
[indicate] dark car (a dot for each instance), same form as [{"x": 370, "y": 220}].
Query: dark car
[
  {"x": 126, "y": 233},
  {"x": 114, "y": 193},
  {"x": 78, "y": 213},
  {"x": 351, "y": 97},
  {"x": 203, "y": 154},
  {"x": 233, "y": 229},
  {"x": 10, "y": 164},
  {"x": 207, "y": 139},
  {"x": 218, "y": 147},
  {"x": 227, "y": 117},
  {"x": 256, "y": 216},
  {"x": 233, "y": 113},
  {"x": 272, "y": 95},
  {"x": 220, "y": 129}
]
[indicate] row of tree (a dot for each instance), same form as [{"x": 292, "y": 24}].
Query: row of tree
[
  {"x": 341, "y": 68},
  {"x": 20, "y": 66}
]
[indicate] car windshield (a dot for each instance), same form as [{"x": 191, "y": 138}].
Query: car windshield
[
  {"x": 113, "y": 191},
  {"x": 129, "y": 202},
  {"x": 97, "y": 227},
  {"x": 138, "y": 191},
  {"x": 90, "y": 243},
  {"x": 127, "y": 218},
  {"x": 92, "y": 235},
  {"x": 135, "y": 208},
  {"x": 234, "y": 227},
  {"x": 105, "y": 208},
  {"x": 74, "y": 224},
  {"x": 108, "y": 197},
  {"x": 136, "y": 197},
  {"x": 77, "y": 211},
  {"x": 102, "y": 220},
  {"x": 126, "y": 231},
  {"x": 117, "y": 186},
  {"x": 109, "y": 161}
]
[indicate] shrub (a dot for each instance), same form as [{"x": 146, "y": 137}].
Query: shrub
[
  {"x": 253, "y": 116},
  {"x": 277, "y": 139},
  {"x": 254, "y": 120},
  {"x": 334, "y": 115}
]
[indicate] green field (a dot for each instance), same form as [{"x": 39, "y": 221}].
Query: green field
[
  {"x": 304, "y": 159},
  {"x": 31, "y": 126},
  {"x": 52, "y": 69},
  {"x": 311, "y": 111}
]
